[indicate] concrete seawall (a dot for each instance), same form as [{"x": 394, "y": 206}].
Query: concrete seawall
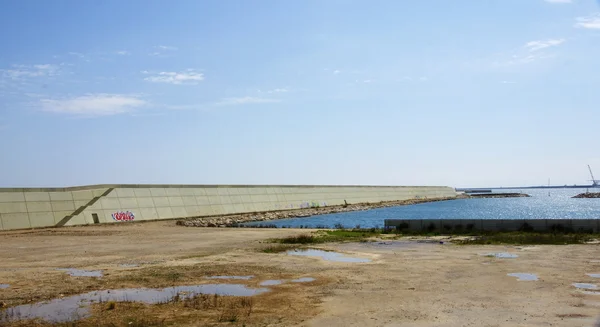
[
  {"x": 493, "y": 225},
  {"x": 46, "y": 207}
]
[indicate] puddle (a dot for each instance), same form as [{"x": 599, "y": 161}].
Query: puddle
[
  {"x": 585, "y": 286},
  {"x": 82, "y": 273},
  {"x": 524, "y": 276},
  {"x": 326, "y": 255},
  {"x": 594, "y": 275},
  {"x": 271, "y": 282},
  {"x": 303, "y": 280},
  {"x": 590, "y": 292},
  {"x": 4, "y": 286},
  {"x": 502, "y": 255},
  {"x": 77, "y": 307},
  {"x": 231, "y": 277}
]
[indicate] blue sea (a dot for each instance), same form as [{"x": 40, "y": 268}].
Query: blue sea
[{"x": 543, "y": 204}]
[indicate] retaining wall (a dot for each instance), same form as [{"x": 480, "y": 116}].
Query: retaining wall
[
  {"x": 44, "y": 207},
  {"x": 494, "y": 225}
]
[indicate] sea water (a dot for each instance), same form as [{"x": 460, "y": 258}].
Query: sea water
[{"x": 543, "y": 204}]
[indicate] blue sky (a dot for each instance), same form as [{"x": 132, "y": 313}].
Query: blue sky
[{"x": 459, "y": 93}]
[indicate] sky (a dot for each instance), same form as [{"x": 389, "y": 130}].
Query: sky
[{"x": 324, "y": 92}]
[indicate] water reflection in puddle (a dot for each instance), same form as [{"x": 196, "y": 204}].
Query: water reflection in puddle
[
  {"x": 231, "y": 277},
  {"x": 524, "y": 276},
  {"x": 586, "y": 286},
  {"x": 82, "y": 273},
  {"x": 327, "y": 255},
  {"x": 502, "y": 255},
  {"x": 77, "y": 306},
  {"x": 303, "y": 280},
  {"x": 4, "y": 286},
  {"x": 594, "y": 275},
  {"x": 271, "y": 282}
]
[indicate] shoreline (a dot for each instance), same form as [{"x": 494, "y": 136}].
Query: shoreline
[{"x": 235, "y": 219}]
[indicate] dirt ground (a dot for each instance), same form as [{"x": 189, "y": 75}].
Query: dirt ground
[{"x": 405, "y": 284}]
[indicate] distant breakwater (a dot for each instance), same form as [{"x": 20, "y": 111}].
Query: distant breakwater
[
  {"x": 587, "y": 196},
  {"x": 235, "y": 220}
]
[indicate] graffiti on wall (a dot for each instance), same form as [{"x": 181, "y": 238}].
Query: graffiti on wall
[{"x": 123, "y": 216}]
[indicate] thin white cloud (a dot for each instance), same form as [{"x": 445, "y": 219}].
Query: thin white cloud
[
  {"x": 189, "y": 77},
  {"x": 26, "y": 71},
  {"x": 245, "y": 100},
  {"x": 166, "y": 47},
  {"x": 93, "y": 105},
  {"x": 543, "y": 44},
  {"x": 278, "y": 90},
  {"x": 508, "y": 82},
  {"x": 335, "y": 72},
  {"x": 163, "y": 51},
  {"x": 559, "y": 1},
  {"x": 123, "y": 53},
  {"x": 367, "y": 81},
  {"x": 590, "y": 22}
]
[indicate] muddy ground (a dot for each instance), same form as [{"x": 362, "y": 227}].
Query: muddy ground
[{"x": 405, "y": 284}]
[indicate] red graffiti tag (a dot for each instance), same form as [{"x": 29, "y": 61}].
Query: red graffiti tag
[{"x": 123, "y": 216}]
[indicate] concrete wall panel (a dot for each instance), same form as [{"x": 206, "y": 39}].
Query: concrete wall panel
[
  {"x": 61, "y": 196},
  {"x": 13, "y": 207},
  {"x": 156, "y": 192},
  {"x": 128, "y": 202},
  {"x": 164, "y": 212},
  {"x": 175, "y": 201},
  {"x": 39, "y": 206},
  {"x": 12, "y": 197},
  {"x": 161, "y": 201},
  {"x": 15, "y": 220},
  {"x": 59, "y": 215},
  {"x": 41, "y": 219},
  {"x": 125, "y": 192},
  {"x": 110, "y": 203},
  {"x": 37, "y": 196},
  {"x": 142, "y": 192},
  {"x": 145, "y": 202},
  {"x": 179, "y": 212},
  {"x": 173, "y": 192}
]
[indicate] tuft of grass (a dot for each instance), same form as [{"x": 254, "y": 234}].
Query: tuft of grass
[
  {"x": 111, "y": 305},
  {"x": 278, "y": 248},
  {"x": 299, "y": 239},
  {"x": 525, "y": 238},
  {"x": 328, "y": 236}
]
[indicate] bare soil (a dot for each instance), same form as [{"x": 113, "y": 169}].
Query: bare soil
[{"x": 405, "y": 284}]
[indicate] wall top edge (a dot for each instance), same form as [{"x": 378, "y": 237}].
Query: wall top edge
[{"x": 103, "y": 186}]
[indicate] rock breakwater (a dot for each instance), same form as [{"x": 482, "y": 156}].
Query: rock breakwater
[
  {"x": 587, "y": 196},
  {"x": 234, "y": 220}
]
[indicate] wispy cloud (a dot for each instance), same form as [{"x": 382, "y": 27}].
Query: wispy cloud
[
  {"x": 123, "y": 53},
  {"x": 93, "y": 105},
  {"x": 591, "y": 22},
  {"x": 559, "y": 1},
  {"x": 245, "y": 100},
  {"x": 189, "y": 77},
  {"x": 167, "y": 47},
  {"x": 335, "y": 72},
  {"x": 508, "y": 82},
  {"x": 17, "y": 72},
  {"x": 163, "y": 50},
  {"x": 522, "y": 59},
  {"x": 543, "y": 44},
  {"x": 274, "y": 91}
]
